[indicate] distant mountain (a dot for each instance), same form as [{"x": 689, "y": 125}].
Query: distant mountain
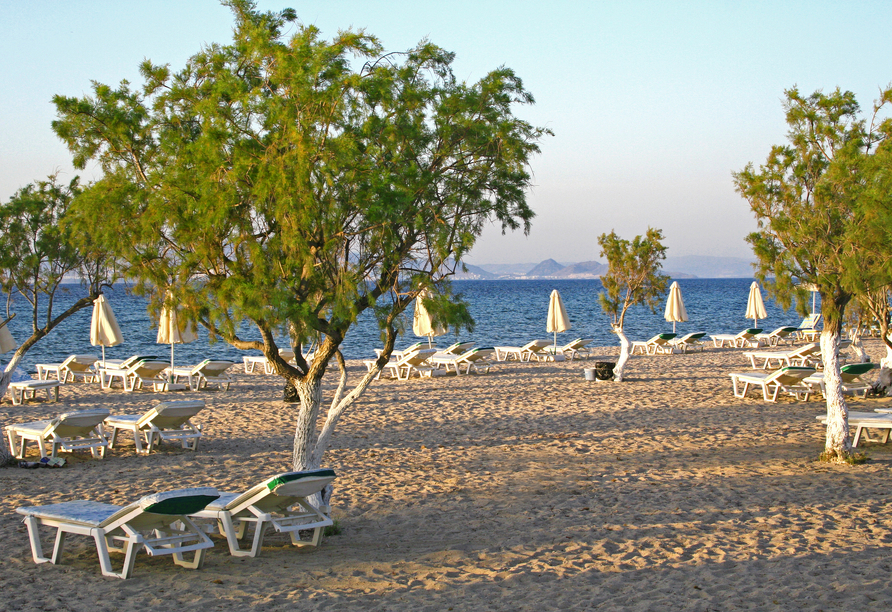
[
  {"x": 585, "y": 269},
  {"x": 549, "y": 267},
  {"x": 508, "y": 269},
  {"x": 475, "y": 273},
  {"x": 704, "y": 266}
]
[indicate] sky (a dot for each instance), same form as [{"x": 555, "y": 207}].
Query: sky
[{"x": 653, "y": 104}]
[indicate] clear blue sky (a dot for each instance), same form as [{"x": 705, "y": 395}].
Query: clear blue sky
[{"x": 653, "y": 104}]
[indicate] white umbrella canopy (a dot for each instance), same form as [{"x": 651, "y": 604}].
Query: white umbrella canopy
[
  {"x": 557, "y": 321},
  {"x": 104, "y": 330},
  {"x": 675, "y": 310},
  {"x": 171, "y": 331},
  {"x": 755, "y": 307},
  {"x": 422, "y": 324},
  {"x": 7, "y": 342}
]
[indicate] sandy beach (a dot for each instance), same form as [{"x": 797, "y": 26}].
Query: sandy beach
[{"x": 524, "y": 489}]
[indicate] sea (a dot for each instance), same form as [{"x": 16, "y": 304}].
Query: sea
[{"x": 506, "y": 313}]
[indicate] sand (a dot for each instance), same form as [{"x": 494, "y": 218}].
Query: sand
[{"x": 524, "y": 489}]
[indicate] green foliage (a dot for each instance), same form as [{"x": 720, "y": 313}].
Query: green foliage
[
  {"x": 633, "y": 275},
  {"x": 821, "y": 202},
  {"x": 268, "y": 180},
  {"x": 333, "y": 529}
]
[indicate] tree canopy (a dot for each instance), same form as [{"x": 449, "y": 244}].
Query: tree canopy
[
  {"x": 270, "y": 180},
  {"x": 821, "y": 203}
]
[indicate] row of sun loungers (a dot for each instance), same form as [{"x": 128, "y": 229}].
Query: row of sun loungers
[{"x": 177, "y": 522}]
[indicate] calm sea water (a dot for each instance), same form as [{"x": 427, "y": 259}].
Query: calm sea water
[{"x": 506, "y": 313}]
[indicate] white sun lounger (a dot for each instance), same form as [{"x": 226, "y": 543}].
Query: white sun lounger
[
  {"x": 22, "y": 390},
  {"x": 252, "y": 361},
  {"x": 74, "y": 367},
  {"x": 143, "y": 372},
  {"x": 476, "y": 358},
  {"x": 863, "y": 421},
  {"x": 745, "y": 338},
  {"x": 851, "y": 378},
  {"x": 70, "y": 431},
  {"x": 534, "y": 348},
  {"x": 804, "y": 355},
  {"x": 206, "y": 372},
  {"x": 158, "y": 523},
  {"x": 657, "y": 344},
  {"x": 781, "y": 335},
  {"x": 689, "y": 342},
  {"x": 279, "y": 502},
  {"x": 788, "y": 379},
  {"x": 166, "y": 421}
]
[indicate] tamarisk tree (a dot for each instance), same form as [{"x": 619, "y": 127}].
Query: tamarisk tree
[
  {"x": 37, "y": 253},
  {"x": 815, "y": 225},
  {"x": 270, "y": 181},
  {"x": 633, "y": 278}
]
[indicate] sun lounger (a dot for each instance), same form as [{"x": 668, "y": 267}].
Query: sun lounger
[
  {"x": 864, "y": 421},
  {"x": 159, "y": 523},
  {"x": 206, "y": 372},
  {"x": 689, "y": 342},
  {"x": 572, "y": 350},
  {"x": 745, "y": 338},
  {"x": 476, "y": 358},
  {"x": 252, "y": 361},
  {"x": 268, "y": 504},
  {"x": 396, "y": 354},
  {"x": 851, "y": 378},
  {"x": 535, "y": 348},
  {"x": 781, "y": 335},
  {"x": 166, "y": 421},
  {"x": 69, "y": 431},
  {"x": 413, "y": 362},
  {"x": 74, "y": 367},
  {"x": 143, "y": 372},
  {"x": 452, "y": 350},
  {"x": 808, "y": 328},
  {"x": 807, "y": 354},
  {"x": 788, "y": 379},
  {"x": 657, "y": 344},
  {"x": 22, "y": 390}
]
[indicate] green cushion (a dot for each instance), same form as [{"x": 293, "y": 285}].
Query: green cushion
[
  {"x": 754, "y": 330},
  {"x": 856, "y": 369},
  {"x": 667, "y": 336},
  {"x": 184, "y": 501},
  {"x": 281, "y": 479}
]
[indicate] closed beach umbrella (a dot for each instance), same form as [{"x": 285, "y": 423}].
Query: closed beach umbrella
[
  {"x": 558, "y": 321},
  {"x": 422, "y": 324},
  {"x": 675, "y": 310},
  {"x": 104, "y": 330},
  {"x": 755, "y": 307},
  {"x": 171, "y": 331},
  {"x": 7, "y": 342},
  {"x": 814, "y": 295}
]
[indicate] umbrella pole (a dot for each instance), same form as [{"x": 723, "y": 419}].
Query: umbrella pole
[{"x": 170, "y": 372}]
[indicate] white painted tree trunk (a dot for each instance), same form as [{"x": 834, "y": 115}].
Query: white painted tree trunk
[
  {"x": 5, "y": 378},
  {"x": 858, "y": 346},
  {"x": 625, "y": 352},
  {"x": 837, "y": 440},
  {"x": 883, "y": 385}
]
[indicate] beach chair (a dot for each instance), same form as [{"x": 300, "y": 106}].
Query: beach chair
[
  {"x": 455, "y": 349},
  {"x": 862, "y": 422},
  {"x": 805, "y": 355},
  {"x": 396, "y": 354},
  {"x": 476, "y": 358},
  {"x": 689, "y": 342},
  {"x": 534, "y": 348},
  {"x": 572, "y": 350},
  {"x": 143, "y": 372},
  {"x": 165, "y": 421},
  {"x": 745, "y": 338},
  {"x": 782, "y": 335},
  {"x": 413, "y": 362},
  {"x": 22, "y": 390},
  {"x": 158, "y": 523},
  {"x": 74, "y": 367},
  {"x": 789, "y": 379},
  {"x": 207, "y": 372},
  {"x": 657, "y": 344},
  {"x": 252, "y": 361},
  {"x": 69, "y": 431},
  {"x": 851, "y": 378},
  {"x": 279, "y": 502},
  {"x": 808, "y": 328}
]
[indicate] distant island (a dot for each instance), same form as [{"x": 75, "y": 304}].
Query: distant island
[{"x": 688, "y": 266}]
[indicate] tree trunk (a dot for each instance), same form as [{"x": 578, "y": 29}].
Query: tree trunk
[
  {"x": 305, "y": 433},
  {"x": 836, "y": 446},
  {"x": 625, "y": 353},
  {"x": 883, "y": 385},
  {"x": 858, "y": 346}
]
